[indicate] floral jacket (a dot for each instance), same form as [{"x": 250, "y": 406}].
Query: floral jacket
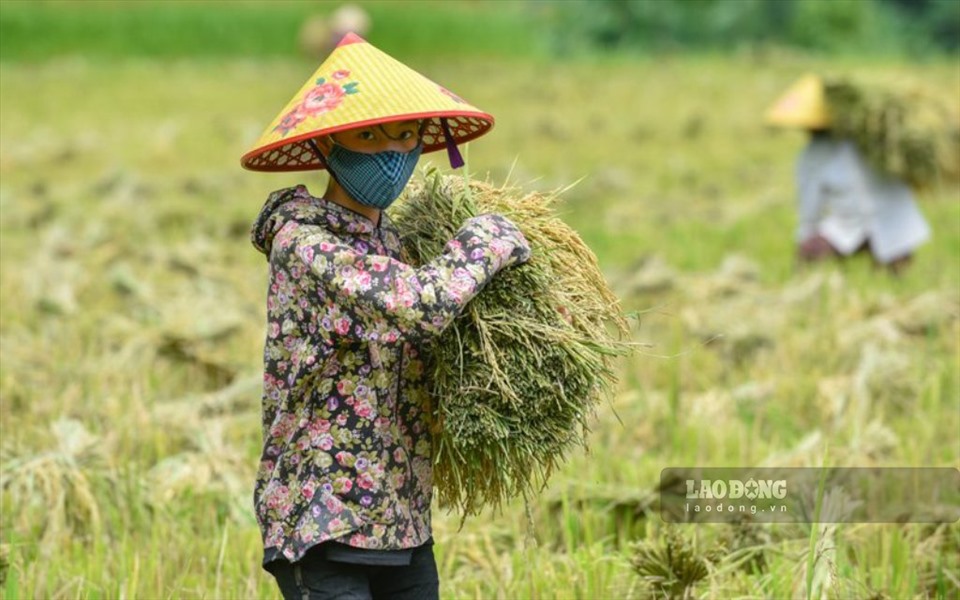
[{"x": 346, "y": 416}]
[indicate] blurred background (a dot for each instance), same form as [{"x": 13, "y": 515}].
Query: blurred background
[{"x": 131, "y": 304}]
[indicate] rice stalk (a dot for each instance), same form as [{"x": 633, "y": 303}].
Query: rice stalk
[
  {"x": 674, "y": 566},
  {"x": 515, "y": 378},
  {"x": 57, "y": 483},
  {"x": 902, "y": 131}
]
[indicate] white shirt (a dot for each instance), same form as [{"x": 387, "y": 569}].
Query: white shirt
[{"x": 848, "y": 202}]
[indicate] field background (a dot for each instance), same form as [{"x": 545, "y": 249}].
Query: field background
[{"x": 132, "y": 311}]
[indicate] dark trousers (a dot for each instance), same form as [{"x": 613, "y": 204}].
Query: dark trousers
[{"x": 314, "y": 577}]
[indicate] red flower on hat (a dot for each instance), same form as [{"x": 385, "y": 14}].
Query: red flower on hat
[
  {"x": 322, "y": 98},
  {"x": 291, "y": 120}
]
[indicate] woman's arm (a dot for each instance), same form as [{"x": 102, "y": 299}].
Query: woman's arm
[{"x": 394, "y": 296}]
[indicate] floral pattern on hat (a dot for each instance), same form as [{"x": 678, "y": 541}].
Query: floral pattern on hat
[
  {"x": 323, "y": 97},
  {"x": 453, "y": 96}
]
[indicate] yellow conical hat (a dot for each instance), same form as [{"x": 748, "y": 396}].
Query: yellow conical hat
[
  {"x": 802, "y": 105},
  {"x": 358, "y": 86}
]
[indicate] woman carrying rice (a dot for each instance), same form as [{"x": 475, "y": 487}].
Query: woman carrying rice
[
  {"x": 344, "y": 484},
  {"x": 845, "y": 204}
]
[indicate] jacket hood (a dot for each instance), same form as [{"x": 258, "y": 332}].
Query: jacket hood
[{"x": 296, "y": 204}]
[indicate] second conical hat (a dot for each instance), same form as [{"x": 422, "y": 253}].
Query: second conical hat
[
  {"x": 803, "y": 105},
  {"x": 358, "y": 86}
]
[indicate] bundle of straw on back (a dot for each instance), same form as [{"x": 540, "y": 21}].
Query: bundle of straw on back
[
  {"x": 515, "y": 377},
  {"x": 902, "y": 131}
]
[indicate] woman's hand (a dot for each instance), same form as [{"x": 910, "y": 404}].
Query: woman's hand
[{"x": 503, "y": 231}]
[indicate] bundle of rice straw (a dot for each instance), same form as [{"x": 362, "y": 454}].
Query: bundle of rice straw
[
  {"x": 516, "y": 376},
  {"x": 902, "y": 130}
]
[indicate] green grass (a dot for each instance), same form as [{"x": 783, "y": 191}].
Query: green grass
[
  {"x": 37, "y": 30},
  {"x": 131, "y": 298}
]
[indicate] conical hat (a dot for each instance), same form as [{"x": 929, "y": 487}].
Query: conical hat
[
  {"x": 357, "y": 86},
  {"x": 803, "y": 105}
]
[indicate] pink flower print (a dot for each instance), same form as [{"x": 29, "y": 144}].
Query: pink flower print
[
  {"x": 380, "y": 264},
  {"x": 275, "y": 534},
  {"x": 349, "y": 276},
  {"x": 390, "y": 302},
  {"x": 322, "y": 98},
  {"x": 365, "y": 481},
  {"x": 291, "y": 120},
  {"x": 307, "y": 535},
  {"x": 342, "y": 485},
  {"x": 501, "y": 248},
  {"x": 363, "y": 280},
  {"x": 341, "y": 74},
  {"x": 326, "y": 246},
  {"x": 342, "y": 325},
  {"x": 461, "y": 284},
  {"x": 346, "y": 387},
  {"x": 408, "y": 299},
  {"x": 334, "y": 505},
  {"x": 363, "y": 410},
  {"x": 325, "y": 442},
  {"x": 306, "y": 253},
  {"x": 346, "y": 459},
  {"x": 455, "y": 97},
  {"x": 283, "y": 427},
  {"x": 272, "y": 384}
]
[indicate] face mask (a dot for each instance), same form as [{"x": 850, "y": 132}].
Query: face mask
[{"x": 373, "y": 179}]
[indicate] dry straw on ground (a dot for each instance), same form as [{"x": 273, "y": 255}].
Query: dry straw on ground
[{"x": 516, "y": 376}]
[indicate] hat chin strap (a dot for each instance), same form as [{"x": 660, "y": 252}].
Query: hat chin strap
[
  {"x": 453, "y": 153},
  {"x": 316, "y": 150}
]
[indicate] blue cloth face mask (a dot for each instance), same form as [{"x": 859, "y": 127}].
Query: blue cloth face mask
[{"x": 373, "y": 179}]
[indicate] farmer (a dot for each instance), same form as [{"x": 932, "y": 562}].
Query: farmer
[
  {"x": 344, "y": 484},
  {"x": 845, "y": 205}
]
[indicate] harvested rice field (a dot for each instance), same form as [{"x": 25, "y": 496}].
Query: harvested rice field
[{"x": 132, "y": 314}]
